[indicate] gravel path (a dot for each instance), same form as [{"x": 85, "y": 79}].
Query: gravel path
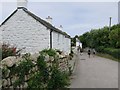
[{"x": 95, "y": 72}]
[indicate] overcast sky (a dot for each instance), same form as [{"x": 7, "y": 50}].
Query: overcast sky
[{"x": 75, "y": 17}]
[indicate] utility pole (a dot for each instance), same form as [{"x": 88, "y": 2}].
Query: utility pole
[{"x": 110, "y": 23}]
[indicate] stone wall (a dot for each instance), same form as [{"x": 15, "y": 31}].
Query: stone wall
[{"x": 8, "y": 64}]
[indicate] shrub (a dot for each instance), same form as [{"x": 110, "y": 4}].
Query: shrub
[
  {"x": 22, "y": 69},
  {"x": 113, "y": 52},
  {"x": 58, "y": 79},
  {"x": 7, "y": 50},
  {"x": 48, "y": 77},
  {"x": 36, "y": 81},
  {"x": 100, "y": 49},
  {"x": 50, "y": 52}
]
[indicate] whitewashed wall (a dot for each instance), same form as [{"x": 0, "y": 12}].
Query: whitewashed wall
[
  {"x": 68, "y": 40},
  {"x": 22, "y": 30},
  {"x": 61, "y": 42}
]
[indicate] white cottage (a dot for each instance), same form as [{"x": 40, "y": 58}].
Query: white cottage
[
  {"x": 78, "y": 43},
  {"x": 24, "y": 29}
]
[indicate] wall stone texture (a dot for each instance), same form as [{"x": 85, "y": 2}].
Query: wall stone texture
[{"x": 9, "y": 64}]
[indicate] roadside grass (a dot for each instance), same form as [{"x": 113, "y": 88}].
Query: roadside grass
[{"x": 108, "y": 56}]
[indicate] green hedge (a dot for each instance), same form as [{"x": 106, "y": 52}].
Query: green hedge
[{"x": 111, "y": 51}]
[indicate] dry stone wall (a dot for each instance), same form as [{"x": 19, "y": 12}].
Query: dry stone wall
[{"x": 8, "y": 66}]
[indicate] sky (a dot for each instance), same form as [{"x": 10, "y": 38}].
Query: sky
[{"x": 75, "y": 17}]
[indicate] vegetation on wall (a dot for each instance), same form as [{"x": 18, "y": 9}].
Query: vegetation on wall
[
  {"x": 8, "y": 50},
  {"x": 48, "y": 76},
  {"x": 37, "y": 74}
]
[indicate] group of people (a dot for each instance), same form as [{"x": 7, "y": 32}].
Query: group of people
[{"x": 90, "y": 51}]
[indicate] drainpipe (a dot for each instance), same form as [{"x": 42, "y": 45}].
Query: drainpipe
[{"x": 51, "y": 39}]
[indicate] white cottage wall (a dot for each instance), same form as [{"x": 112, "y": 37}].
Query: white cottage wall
[
  {"x": 68, "y": 45},
  {"x": 61, "y": 42},
  {"x": 55, "y": 40},
  {"x": 22, "y": 31}
]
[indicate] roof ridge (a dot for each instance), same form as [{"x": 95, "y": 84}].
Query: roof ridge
[
  {"x": 42, "y": 21},
  {"x": 47, "y": 24}
]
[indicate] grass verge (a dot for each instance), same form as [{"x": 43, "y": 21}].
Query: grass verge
[{"x": 107, "y": 56}]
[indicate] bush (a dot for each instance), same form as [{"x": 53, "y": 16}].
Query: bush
[
  {"x": 100, "y": 49},
  {"x": 48, "y": 77},
  {"x": 50, "y": 52},
  {"x": 58, "y": 79},
  {"x": 113, "y": 52},
  {"x": 22, "y": 69},
  {"x": 7, "y": 50}
]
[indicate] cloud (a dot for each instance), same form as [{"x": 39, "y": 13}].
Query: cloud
[{"x": 76, "y": 18}]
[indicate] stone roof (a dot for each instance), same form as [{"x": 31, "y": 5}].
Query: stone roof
[{"x": 45, "y": 23}]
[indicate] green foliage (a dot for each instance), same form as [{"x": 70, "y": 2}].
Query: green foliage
[
  {"x": 114, "y": 52},
  {"x": 22, "y": 69},
  {"x": 44, "y": 77},
  {"x": 103, "y": 38},
  {"x": 4, "y": 72},
  {"x": 42, "y": 67},
  {"x": 58, "y": 79},
  {"x": 100, "y": 49},
  {"x": 36, "y": 81},
  {"x": 50, "y": 52},
  {"x": 48, "y": 77},
  {"x": 115, "y": 38},
  {"x": 40, "y": 78}
]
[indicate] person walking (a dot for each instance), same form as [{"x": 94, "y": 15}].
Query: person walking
[
  {"x": 89, "y": 53},
  {"x": 78, "y": 48},
  {"x": 81, "y": 51},
  {"x": 94, "y": 52}
]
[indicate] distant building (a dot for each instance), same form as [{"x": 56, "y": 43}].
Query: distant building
[
  {"x": 78, "y": 43},
  {"x": 24, "y": 29}
]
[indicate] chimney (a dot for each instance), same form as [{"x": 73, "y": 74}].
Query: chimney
[
  {"x": 22, "y": 3},
  {"x": 61, "y": 27},
  {"x": 49, "y": 19}
]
